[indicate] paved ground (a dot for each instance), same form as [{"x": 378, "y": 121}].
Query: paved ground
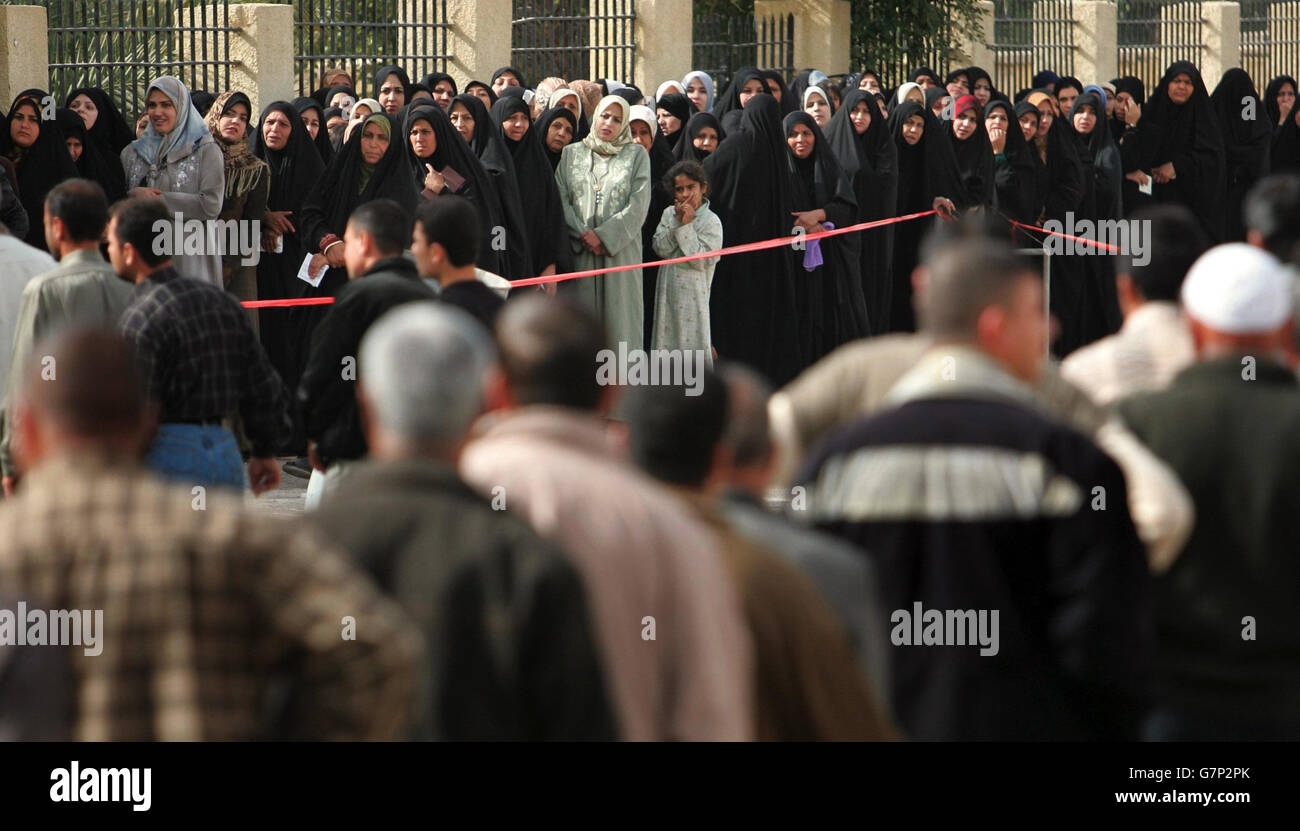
[{"x": 285, "y": 500}]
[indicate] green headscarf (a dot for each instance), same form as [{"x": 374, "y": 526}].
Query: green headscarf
[{"x": 367, "y": 169}]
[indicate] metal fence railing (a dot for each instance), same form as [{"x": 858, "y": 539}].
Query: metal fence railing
[
  {"x": 362, "y": 35},
  {"x": 893, "y": 49},
  {"x": 1029, "y": 36},
  {"x": 722, "y": 43},
  {"x": 574, "y": 39},
  {"x": 1152, "y": 34},
  {"x": 1270, "y": 40},
  {"x": 122, "y": 46}
]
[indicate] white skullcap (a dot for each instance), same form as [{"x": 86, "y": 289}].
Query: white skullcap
[{"x": 1238, "y": 289}]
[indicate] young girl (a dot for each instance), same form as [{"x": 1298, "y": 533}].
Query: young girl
[{"x": 687, "y": 227}]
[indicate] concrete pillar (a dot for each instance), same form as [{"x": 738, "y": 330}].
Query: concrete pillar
[
  {"x": 1220, "y": 40},
  {"x": 261, "y": 51},
  {"x": 975, "y": 51},
  {"x": 479, "y": 40},
  {"x": 664, "y": 38},
  {"x": 821, "y": 31},
  {"x": 24, "y": 51},
  {"x": 1096, "y": 31}
]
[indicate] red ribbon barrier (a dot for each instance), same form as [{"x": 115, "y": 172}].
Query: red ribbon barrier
[{"x": 1111, "y": 248}]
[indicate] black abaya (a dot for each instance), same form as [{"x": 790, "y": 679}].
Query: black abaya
[
  {"x": 547, "y": 234},
  {"x": 1247, "y": 141},
  {"x": 489, "y": 146}
]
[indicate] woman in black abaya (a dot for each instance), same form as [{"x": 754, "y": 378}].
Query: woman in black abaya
[
  {"x": 860, "y": 137},
  {"x": 313, "y": 117},
  {"x": 1015, "y": 166},
  {"x": 553, "y": 136},
  {"x": 751, "y": 304},
  {"x": 1248, "y": 142},
  {"x": 974, "y": 153},
  {"x": 745, "y": 84},
  {"x": 1281, "y": 92},
  {"x": 392, "y": 89},
  {"x": 485, "y": 139},
  {"x": 1182, "y": 147},
  {"x": 701, "y": 136},
  {"x": 672, "y": 112},
  {"x": 104, "y": 124},
  {"x": 547, "y": 234},
  {"x": 86, "y": 154},
  {"x": 40, "y": 157}
]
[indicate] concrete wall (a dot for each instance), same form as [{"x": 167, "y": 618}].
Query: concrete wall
[
  {"x": 24, "y": 51},
  {"x": 822, "y": 30}
]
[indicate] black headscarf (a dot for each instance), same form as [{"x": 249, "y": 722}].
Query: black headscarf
[
  {"x": 489, "y": 145},
  {"x": 332, "y": 91},
  {"x": 974, "y": 155},
  {"x": 432, "y": 80},
  {"x": 729, "y": 100},
  {"x": 923, "y": 71},
  {"x": 322, "y": 140},
  {"x": 1248, "y": 142},
  {"x": 538, "y": 193},
  {"x": 492, "y": 96},
  {"x": 1015, "y": 192},
  {"x": 686, "y": 149},
  {"x": 752, "y": 294},
  {"x": 92, "y": 164},
  {"x": 1270, "y": 98},
  {"x": 202, "y": 100},
  {"x": 932, "y": 96},
  {"x": 1098, "y": 149},
  {"x": 523, "y": 82},
  {"x": 543, "y": 127},
  {"x": 976, "y": 73},
  {"x": 40, "y": 167},
  {"x": 1285, "y": 152},
  {"x": 110, "y": 131},
  {"x": 1189, "y": 136},
  {"x": 1062, "y": 174},
  {"x": 382, "y": 74},
  {"x": 681, "y": 108}
]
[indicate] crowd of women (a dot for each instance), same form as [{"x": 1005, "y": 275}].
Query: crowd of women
[{"x": 576, "y": 174}]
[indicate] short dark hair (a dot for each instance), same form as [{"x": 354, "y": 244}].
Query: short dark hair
[
  {"x": 964, "y": 279},
  {"x": 1174, "y": 243},
  {"x": 137, "y": 220},
  {"x": 1273, "y": 209},
  {"x": 689, "y": 168},
  {"x": 548, "y": 349},
  {"x": 672, "y": 435},
  {"x": 82, "y": 206},
  {"x": 98, "y": 393},
  {"x": 453, "y": 223},
  {"x": 387, "y": 222},
  {"x": 748, "y": 434}
]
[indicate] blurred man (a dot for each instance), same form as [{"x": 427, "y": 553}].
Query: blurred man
[
  {"x": 511, "y": 655},
  {"x": 19, "y": 263},
  {"x": 199, "y": 606},
  {"x": 1228, "y": 612},
  {"x": 1019, "y": 606},
  {"x": 199, "y": 359},
  {"x": 808, "y": 686},
  {"x": 667, "y": 618},
  {"x": 83, "y": 290},
  {"x": 379, "y": 279},
  {"x": 1272, "y": 215},
  {"x": 445, "y": 242}
]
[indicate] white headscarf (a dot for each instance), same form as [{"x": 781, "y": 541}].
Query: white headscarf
[
  {"x": 640, "y": 112},
  {"x": 811, "y": 91},
  {"x": 904, "y": 89},
  {"x": 624, "y": 137},
  {"x": 560, "y": 94},
  {"x": 667, "y": 87},
  {"x": 707, "y": 80}
]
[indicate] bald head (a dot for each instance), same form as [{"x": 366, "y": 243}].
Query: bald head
[{"x": 548, "y": 348}]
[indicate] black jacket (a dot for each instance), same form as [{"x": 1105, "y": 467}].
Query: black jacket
[{"x": 327, "y": 393}]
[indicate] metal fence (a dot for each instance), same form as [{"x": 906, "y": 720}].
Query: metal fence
[
  {"x": 122, "y": 46},
  {"x": 725, "y": 42},
  {"x": 892, "y": 49},
  {"x": 1028, "y": 36},
  {"x": 1152, "y": 34},
  {"x": 362, "y": 35},
  {"x": 1270, "y": 40},
  {"x": 574, "y": 39}
]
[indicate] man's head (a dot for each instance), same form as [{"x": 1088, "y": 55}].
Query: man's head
[
  {"x": 1174, "y": 241},
  {"x": 377, "y": 229},
  {"x": 76, "y": 212},
  {"x": 423, "y": 370},
  {"x": 981, "y": 293},
  {"x": 446, "y": 236},
  {"x": 748, "y": 456},
  {"x": 674, "y": 436},
  {"x": 548, "y": 351},
  {"x": 1239, "y": 300},
  {"x": 134, "y": 226},
  {"x": 80, "y": 391},
  {"x": 1272, "y": 214}
]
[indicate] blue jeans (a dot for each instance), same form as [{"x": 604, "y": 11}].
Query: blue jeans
[{"x": 198, "y": 454}]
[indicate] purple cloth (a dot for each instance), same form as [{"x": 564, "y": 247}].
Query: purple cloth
[{"x": 812, "y": 255}]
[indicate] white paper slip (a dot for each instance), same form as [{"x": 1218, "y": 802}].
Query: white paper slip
[
  {"x": 1147, "y": 187},
  {"x": 304, "y": 273}
]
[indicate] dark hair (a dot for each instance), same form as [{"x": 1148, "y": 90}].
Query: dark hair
[
  {"x": 1174, "y": 243},
  {"x": 689, "y": 168},
  {"x": 99, "y": 392},
  {"x": 452, "y": 222},
  {"x": 82, "y": 206},
  {"x": 963, "y": 280},
  {"x": 137, "y": 218},
  {"x": 384, "y": 220},
  {"x": 748, "y": 435},
  {"x": 671, "y": 433},
  {"x": 1273, "y": 209},
  {"x": 548, "y": 348}
]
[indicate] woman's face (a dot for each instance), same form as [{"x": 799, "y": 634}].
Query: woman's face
[
  {"x": 1029, "y": 126},
  {"x": 421, "y": 95},
  {"x": 996, "y": 120},
  {"x": 668, "y": 123},
  {"x": 870, "y": 83},
  {"x": 342, "y": 100},
  {"x": 482, "y": 94},
  {"x": 861, "y": 117},
  {"x": 1045, "y": 117},
  {"x": 1285, "y": 98},
  {"x": 233, "y": 124},
  {"x": 392, "y": 95},
  {"x": 773, "y": 88},
  {"x": 1085, "y": 118},
  {"x": 74, "y": 148},
  {"x": 336, "y": 121},
  {"x": 276, "y": 129},
  {"x": 558, "y": 135},
  {"x": 927, "y": 82},
  {"x": 916, "y": 95},
  {"x": 963, "y": 126},
  {"x": 913, "y": 128},
  {"x": 1122, "y": 102},
  {"x": 362, "y": 111},
  {"x": 1066, "y": 98},
  {"x": 819, "y": 109},
  {"x": 443, "y": 93},
  {"x": 422, "y": 139},
  {"x": 983, "y": 92},
  {"x": 161, "y": 111},
  {"x": 570, "y": 103},
  {"x": 609, "y": 123},
  {"x": 1180, "y": 88},
  {"x": 374, "y": 142},
  {"x": 462, "y": 120},
  {"x": 516, "y": 126},
  {"x": 505, "y": 79},
  {"x": 800, "y": 140},
  {"x": 25, "y": 125},
  {"x": 752, "y": 87},
  {"x": 642, "y": 134},
  {"x": 698, "y": 93},
  {"x": 706, "y": 139},
  {"x": 84, "y": 107},
  {"x": 310, "y": 120},
  {"x": 958, "y": 86}
]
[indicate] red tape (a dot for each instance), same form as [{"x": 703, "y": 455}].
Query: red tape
[{"x": 1111, "y": 248}]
